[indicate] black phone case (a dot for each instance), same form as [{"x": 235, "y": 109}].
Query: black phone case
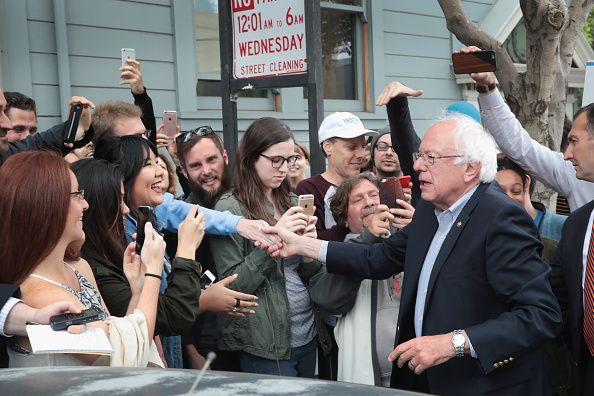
[
  {"x": 72, "y": 124},
  {"x": 62, "y": 321},
  {"x": 148, "y": 214}
]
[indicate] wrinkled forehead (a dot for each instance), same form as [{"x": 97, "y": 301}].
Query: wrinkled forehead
[{"x": 439, "y": 137}]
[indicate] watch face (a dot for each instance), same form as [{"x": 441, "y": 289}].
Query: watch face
[{"x": 458, "y": 340}]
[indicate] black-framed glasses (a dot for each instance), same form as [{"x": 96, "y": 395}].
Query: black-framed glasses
[
  {"x": 186, "y": 136},
  {"x": 278, "y": 161},
  {"x": 80, "y": 194},
  {"x": 382, "y": 146},
  {"x": 429, "y": 159}
]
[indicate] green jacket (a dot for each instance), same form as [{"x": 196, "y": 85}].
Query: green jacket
[
  {"x": 266, "y": 333},
  {"x": 177, "y": 309}
]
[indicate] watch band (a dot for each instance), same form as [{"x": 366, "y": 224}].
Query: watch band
[
  {"x": 485, "y": 89},
  {"x": 459, "y": 349}
]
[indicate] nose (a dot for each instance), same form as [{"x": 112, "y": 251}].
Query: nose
[
  {"x": 360, "y": 152},
  {"x": 419, "y": 165},
  {"x": 85, "y": 204},
  {"x": 206, "y": 170},
  {"x": 158, "y": 170},
  {"x": 369, "y": 201},
  {"x": 5, "y": 123},
  {"x": 284, "y": 167},
  {"x": 568, "y": 154}
]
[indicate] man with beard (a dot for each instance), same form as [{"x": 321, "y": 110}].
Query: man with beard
[
  {"x": 383, "y": 155},
  {"x": 203, "y": 161}
]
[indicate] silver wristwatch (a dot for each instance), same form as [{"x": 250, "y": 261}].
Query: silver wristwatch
[{"x": 458, "y": 341}]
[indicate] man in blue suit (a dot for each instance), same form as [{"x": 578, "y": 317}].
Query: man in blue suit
[{"x": 476, "y": 302}]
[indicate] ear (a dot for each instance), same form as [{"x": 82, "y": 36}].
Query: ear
[
  {"x": 472, "y": 172},
  {"x": 327, "y": 146},
  {"x": 528, "y": 182},
  {"x": 225, "y": 157}
]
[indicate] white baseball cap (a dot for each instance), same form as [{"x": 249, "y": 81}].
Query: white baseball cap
[{"x": 342, "y": 125}]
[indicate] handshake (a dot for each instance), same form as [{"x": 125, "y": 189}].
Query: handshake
[{"x": 294, "y": 235}]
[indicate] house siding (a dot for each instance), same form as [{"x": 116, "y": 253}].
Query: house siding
[{"x": 410, "y": 38}]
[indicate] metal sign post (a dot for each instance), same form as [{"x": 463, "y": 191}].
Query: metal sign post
[{"x": 271, "y": 44}]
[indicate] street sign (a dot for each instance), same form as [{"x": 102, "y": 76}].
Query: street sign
[{"x": 268, "y": 38}]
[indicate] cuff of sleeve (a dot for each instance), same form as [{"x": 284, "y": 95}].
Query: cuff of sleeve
[
  {"x": 472, "y": 351},
  {"x": 4, "y": 314},
  {"x": 140, "y": 95},
  {"x": 323, "y": 252},
  {"x": 491, "y": 100}
]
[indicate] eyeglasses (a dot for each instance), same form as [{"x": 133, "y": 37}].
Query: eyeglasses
[
  {"x": 429, "y": 159},
  {"x": 278, "y": 161},
  {"x": 381, "y": 146},
  {"x": 80, "y": 194},
  {"x": 197, "y": 132}
]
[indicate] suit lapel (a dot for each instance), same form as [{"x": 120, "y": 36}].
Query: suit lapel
[
  {"x": 416, "y": 250},
  {"x": 452, "y": 237}
]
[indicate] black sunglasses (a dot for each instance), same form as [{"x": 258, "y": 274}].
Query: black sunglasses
[{"x": 186, "y": 136}]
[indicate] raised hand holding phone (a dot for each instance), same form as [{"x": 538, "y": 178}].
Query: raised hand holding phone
[
  {"x": 170, "y": 123},
  {"x": 74, "y": 133},
  {"x": 293, "y": 220},
  {"x": 482, "y": 78},
  {"x": 190, "y": 234},
  {"x": 153, "y": 250},
  {"x": 474, "y": 62}
]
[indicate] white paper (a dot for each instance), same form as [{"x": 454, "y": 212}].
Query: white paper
[
  {"x": 45, "y": 340},
  {"x": 588, "y": 96}
]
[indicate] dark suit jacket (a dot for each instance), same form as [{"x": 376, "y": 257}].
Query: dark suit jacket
[
  {"x": 6, "y": 291},
  {"x": 488, "y": 279},
  {"x": 566, "y": 278}
]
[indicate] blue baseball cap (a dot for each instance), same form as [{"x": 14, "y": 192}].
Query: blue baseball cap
[{"x": 466, "y": 108}]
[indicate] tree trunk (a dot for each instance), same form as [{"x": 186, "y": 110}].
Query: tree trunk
[{"x": 538, "y": 96}]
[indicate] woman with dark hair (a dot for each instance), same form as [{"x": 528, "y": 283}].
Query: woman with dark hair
[
  {"x": 42, "y": 215},
  {"x": 281, "y": 337},
  {"x": 181, "y": 299},
  {"x": 517, "y": 184}
]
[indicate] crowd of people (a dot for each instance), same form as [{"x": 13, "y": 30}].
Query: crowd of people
[{"x": 462, "y": 286}]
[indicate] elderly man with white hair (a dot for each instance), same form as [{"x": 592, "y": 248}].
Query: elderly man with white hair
[{"x": 476, "y": 303}]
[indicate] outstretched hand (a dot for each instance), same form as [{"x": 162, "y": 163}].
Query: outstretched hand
[
  {"x": 393, "y": 90},
  {"x": 220, "y": 299},
  {"x": 255, "y": 231}
]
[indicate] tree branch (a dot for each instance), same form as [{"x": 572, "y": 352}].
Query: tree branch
[
  {"x": 577, "y": 15},
  {"x": 469, "y": 34}
]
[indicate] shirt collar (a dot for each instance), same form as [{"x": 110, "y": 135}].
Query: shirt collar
[{"x": 457, "y": 207}]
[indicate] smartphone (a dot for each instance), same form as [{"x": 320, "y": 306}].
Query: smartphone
[
  {"x": 128, "y": 53},
  {"x": 62, "y": 321},
  {"x": 306, "y": 201},
  {"x": 147, "y": 214},
  {"x": 475, "y": 62},
  {"x": 71, "y": 125},
  {"x": 170, "y": 123},
  {"x": 390, "y": 191},
  {"x": 207, "y": 279},
  {"x": 404, "y": 181}
]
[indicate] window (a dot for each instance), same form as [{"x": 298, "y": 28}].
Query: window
[
  {"x": 515, "y": 43},
  {"x": 208, "y": 60},
  {"x": 344, "y": 53},
  {"x": 342, "y": 46}
]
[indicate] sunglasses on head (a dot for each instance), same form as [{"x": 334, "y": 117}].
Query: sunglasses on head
[{"x": 186, "y": 136}]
